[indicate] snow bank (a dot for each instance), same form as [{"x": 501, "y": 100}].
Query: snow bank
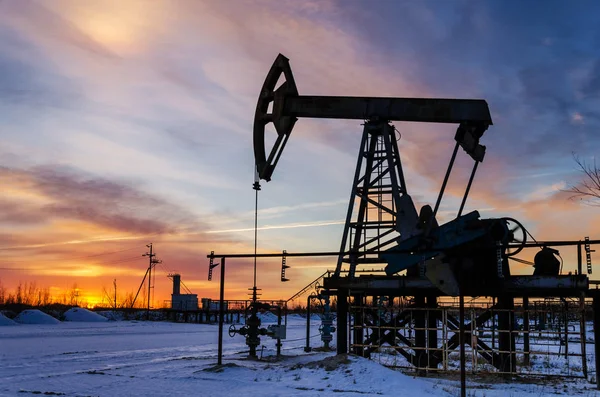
[
  {"x": 347, "y": 374},
  {"x": 83, "y": 315},
  {"x": 5, "y": 320},
  {"x": 302, "y": 317},
  {"x": 113, "y": 315},
  {"x": 35, "y": 316},
  {"x": 267, "y": 317}
]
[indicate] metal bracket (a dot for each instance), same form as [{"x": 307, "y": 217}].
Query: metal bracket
[
  {"x": 588, "y": 255},
  {"x": 284, "y": 266},
  {"x": 499, "y": 259}
]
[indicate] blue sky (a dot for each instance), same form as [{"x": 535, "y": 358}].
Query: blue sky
[{"x": 130, "y": 122}]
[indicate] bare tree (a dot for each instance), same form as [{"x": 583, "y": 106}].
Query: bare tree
[
  {"x": 2, "y": 293},
  {"x": 106, "y": 297},
  {"x": 46, "y": 298},
  {"x": 127, "y": 300},
  {"x": 19, "y": 293},
  {"x": 74, "y": 295},
  {"x": 30, "y": 294},
  {"x": 588, "y": 188}
]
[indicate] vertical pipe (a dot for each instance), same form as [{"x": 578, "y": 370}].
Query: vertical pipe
[
  {"x": 342, "y": 321},
  {"x": 420, "y": 333},
  {"x": 307, "y": 347},
  {"x": 461, "y": 338},
  {"x": 582, "y": 336},
  {"x": 526, "y": 357},
  {"x": 445, "y": 339},
  {"x": 221, "y": 312},
  {"x": 505, "y": 336},
  {"x": 512, "y": 335},
  {"x": 579, "y": 259},
  {"x": 256, "y": 187},
  {"x": 359, "y": 324},
  {"x": 472, "y": 340},
  {"x": 596, "y": 310},
  {"x": 432, "y": 335},
  {"x": 278, "y": 344},
  {"x": 493, "y": 323},
  {"x": 566, "y": 320}
]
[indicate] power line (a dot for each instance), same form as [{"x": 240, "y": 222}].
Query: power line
[
  {"x": 116, "y": 262},
  {"x": 80, "y": 257}
]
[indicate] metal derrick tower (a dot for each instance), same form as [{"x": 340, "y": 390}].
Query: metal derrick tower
[{"x": 380, "y": 209}]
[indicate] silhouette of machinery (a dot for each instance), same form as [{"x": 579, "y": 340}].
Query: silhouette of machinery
[
  {"x": 382, "y": 223},
  {"x": 466, "y": 256}
]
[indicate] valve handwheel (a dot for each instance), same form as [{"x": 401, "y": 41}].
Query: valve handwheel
[
  {"x": 517, "y": 237},
  {"x": 232, "y": 330}
]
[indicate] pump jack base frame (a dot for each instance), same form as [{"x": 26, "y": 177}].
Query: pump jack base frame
[{"x": 424, "y": 352}]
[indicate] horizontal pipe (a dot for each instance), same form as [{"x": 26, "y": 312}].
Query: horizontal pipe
[
  {"x": 337, "y": 253},
  {"x": 522, "y": 285}
]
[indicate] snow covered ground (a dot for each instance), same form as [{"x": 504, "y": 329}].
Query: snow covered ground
[{"x": 125, "y": 358}]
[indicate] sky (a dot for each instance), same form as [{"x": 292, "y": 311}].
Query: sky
[{"x": 129, "y": 123}]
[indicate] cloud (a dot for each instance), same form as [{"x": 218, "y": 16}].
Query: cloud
[
  {"x": 108, "y": 204},
  {"x": 158, "y": 99}
]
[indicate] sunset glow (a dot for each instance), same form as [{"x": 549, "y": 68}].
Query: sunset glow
[{"x": 126, "y": 123}]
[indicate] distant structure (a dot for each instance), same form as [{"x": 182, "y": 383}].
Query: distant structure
[
  {"x": 210, "y": 305},
  {"x": 181, "y": 301}
]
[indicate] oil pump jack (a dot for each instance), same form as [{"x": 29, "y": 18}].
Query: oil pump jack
[
  {"x": 463, "y": 252},
  {"x": 424, "y": 260},
  {"x": 467, "y": 256}
]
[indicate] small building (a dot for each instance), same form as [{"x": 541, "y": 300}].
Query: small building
[
  {"x": 210, "y": 305},
  {"x": 181, "y": 301}
]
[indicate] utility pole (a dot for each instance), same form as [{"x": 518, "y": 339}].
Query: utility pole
[{"x": 151, "y": 263}]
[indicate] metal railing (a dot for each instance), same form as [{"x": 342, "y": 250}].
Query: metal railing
[{"x": 546, "y": 338}]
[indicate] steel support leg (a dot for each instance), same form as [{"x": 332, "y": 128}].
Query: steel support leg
[
  {"x": 307, "y": 347},
  {"x": 432, "y": 335},
  {"x": 278, "y": 344},
  {"x": 359, "y": 324},
  {"x": 566, "y": 321},
  {"x": 420, "y": 333},
  {"x": 461, "y": 341},
  {"x": 582, "y": 337},
  {"x": 526, "y": 349},
  {"x": 342, "y": 321},
  {"x": 221, "y": 313},
  {"x": 596, "y": 309},
  {"x": 506, "y": 337}
]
